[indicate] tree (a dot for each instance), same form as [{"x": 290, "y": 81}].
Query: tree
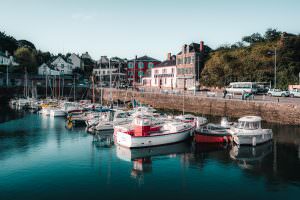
[
  {"x": 7, "y": 43},
  {"x": 272, "y": 34},
  {"x": 26, "y": 58},
  {"x": 254, "y": 38}
]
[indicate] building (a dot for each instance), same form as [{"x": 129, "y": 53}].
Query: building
[
  {"x": 76, "y": 61},
  {"x": 163, "y": 75},
  {"x": 114, "y": 66},
  {"x": 138, "y": 67},
  {"x": 190, "y": 62},
  {"x": 45, "y": 69},
  {"x": 7, "y": 60},
  {"x": 65, "y": 67}
]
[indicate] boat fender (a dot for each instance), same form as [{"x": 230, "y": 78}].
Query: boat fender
[{"x": 254, "y": 141}]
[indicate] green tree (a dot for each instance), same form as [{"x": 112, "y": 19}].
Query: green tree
[
  {"x": 26, "y": 58},
  {"x": 272, "y": 34}
]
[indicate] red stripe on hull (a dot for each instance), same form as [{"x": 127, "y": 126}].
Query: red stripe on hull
[{"x": 212, "y": 139}]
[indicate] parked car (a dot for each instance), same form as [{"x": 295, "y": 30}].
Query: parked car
[
  {"x": 193, "y": 88},
  {"x": 295, "y": 93},
  {"x": 278, "y": 93}
]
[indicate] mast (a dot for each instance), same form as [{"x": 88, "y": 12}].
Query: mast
[
  {"x": 109, "y": 64},
  {"x": 46, "y": 86},
  {"x": 93, "y": 89},
  {"x": 74, "y": 87}
]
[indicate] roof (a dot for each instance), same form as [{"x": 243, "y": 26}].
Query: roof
[
  {"x": 3, "y": 54},
  {"x": 145, "y": 58},
  {"x": 194, "y": 47},
  {"x": 67, "y": 61},
  {"x": 250, "y": 119},
  {"x": 166, "y": 63}
]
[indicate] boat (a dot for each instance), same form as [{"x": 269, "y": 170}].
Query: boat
[
  {"x": 120, "y": 117},
  {"x": 196, "y": 121},
  {"x": 146, "y": 131},
  {"x": 249, "y": 131},
  {"x": 212, "y": 133},
  {"x": 56, "y": 112}
]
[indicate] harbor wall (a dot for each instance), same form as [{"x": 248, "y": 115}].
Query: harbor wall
[{"x": 274, "y": 112}]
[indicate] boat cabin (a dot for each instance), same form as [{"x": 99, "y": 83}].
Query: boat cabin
[{"x": 249, "y": 123}]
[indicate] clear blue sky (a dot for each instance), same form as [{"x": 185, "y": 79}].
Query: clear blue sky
[{"x": 154, "y": 27}]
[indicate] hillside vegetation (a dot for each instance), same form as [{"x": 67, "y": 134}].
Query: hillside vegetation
[{"x": 253, "y": 59}]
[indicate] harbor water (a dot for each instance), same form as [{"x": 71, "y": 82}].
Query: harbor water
[{"x": 41, "y": 159}]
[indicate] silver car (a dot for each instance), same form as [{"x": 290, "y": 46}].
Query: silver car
[{"x": 278, "y": 93}]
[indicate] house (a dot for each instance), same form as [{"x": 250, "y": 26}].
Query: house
[
  {"x": 137, "y": 68},
  {"x": 7, "y": 60},
  {"x": 45, "y": 69},
  {"x": 115, "y": 66},
  {"x": 76, "y": 61},
  {"x": 189, "y": 63},
  {"x": 4, "y": 59},
  {"x": 65, "y": 67},
  {"x": 88, "y": 63},
  {"x": 163, "y": 75}
]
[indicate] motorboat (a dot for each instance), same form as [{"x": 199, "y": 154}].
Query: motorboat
[
  {"x": 212, "y": 133},
  {"x": 196, "y": 121},
  {"x": 145, "y": 131},
  {"x": 120, "y": 117},
  {"x": 56, "y": 112},
  {"x": 249, "y": 131}
]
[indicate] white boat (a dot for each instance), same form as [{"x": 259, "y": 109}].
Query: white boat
[
  {"x": 45, "y": 111},
  {"x": 249, "y": 131},
  {"x": 56, "y": 112},
  {"x": 188, "y": 118},
  {"x": 146, "y": 131},
  {"x": 120, "y": 117}
]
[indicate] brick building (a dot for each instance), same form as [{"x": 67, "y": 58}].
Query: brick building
[{"x": 189, "y": 64}]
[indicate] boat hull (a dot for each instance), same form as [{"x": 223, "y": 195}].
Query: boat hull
[
  {"x": 249, "y": 138},
  {"x": 130, "y": 141},
  {"x": 212, "y": 138}
]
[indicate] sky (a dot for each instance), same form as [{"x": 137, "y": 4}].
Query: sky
[{"x": 126, "y": 28}]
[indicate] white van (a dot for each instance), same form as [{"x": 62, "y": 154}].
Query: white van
[{"x": 241, "y": 87}]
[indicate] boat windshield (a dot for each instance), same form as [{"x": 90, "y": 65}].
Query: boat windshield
[{"x": 249, "y": 125}]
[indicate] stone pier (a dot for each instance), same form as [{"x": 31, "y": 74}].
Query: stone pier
[{"x": 282, "y": 113}]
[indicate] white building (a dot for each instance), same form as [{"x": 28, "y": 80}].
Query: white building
[
  {"x": 44, "y": 69},
  {"x": 163, "y": 75},
  {"x": 76, "y": 61},
  {"x": 63, "y": 66},
  {"x": 7, "y": 60}
]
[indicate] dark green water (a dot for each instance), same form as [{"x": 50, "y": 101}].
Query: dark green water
[{"x": 41, "y": 159}]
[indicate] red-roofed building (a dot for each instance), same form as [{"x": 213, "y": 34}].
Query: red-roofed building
[{"x": 138, "y": 67}]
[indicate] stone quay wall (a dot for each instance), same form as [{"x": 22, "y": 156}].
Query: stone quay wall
[{"x": 274, "y": 112}]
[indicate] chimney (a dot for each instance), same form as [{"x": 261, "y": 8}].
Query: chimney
[
  {"x": 201, "y": 46},
  {"x": 184, "y": 49},
  {"x": 169, "y": 56}
]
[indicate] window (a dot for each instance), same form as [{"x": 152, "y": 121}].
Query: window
[
  {"x": 165, "y": 81},
  {"x": 141, "y": 65},
  {"x": 141, "y": 74},
  {"x": 130, "y": 65},
  {"x": 150, "y": 65},
  {"x": 62, "y": 66},
  {"x": 172, "y": 70}
]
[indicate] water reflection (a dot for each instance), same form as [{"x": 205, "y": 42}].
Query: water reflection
[
  {"x": 248, "y": 157},
  {"x": 103, "y": 139},
  {"x": 142, "y": 158}
]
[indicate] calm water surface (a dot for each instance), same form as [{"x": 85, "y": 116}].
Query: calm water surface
[{"x": 41, "y": 159}]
